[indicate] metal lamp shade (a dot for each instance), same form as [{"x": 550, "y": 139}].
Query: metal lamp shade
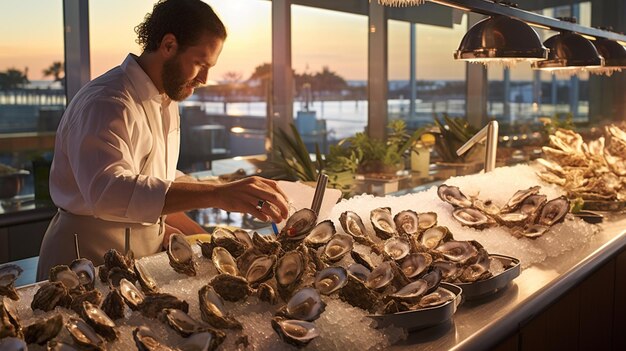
[
  {"x": 569, "y": 51},
  {"x": 614, "y": 56},
  {"x": 501, "y": 39}
]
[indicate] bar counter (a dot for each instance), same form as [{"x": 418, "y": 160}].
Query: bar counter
[{"x": 487, "y": 323}]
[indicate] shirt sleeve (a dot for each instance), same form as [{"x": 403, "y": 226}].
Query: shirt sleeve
[{"x": 101, "y": 156}]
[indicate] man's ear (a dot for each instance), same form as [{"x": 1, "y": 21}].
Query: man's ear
[{"x": 169, "y": 45}]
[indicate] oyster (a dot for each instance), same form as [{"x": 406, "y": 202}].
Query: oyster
[
  {"x": 54, "y": 345},
  {"x": 260, "y": 270},
  {"x": 533, "y": 231},
  {"x": 65, "y": 275},
  {"x": 457, "y": 251},
  {"x": 295, "y": 332},
  {"x": 93, "y": 296},
  {"x": 230, "y": 287},
  {"x": 84, "y": 335},
  {"x": 146, "y": 340},
  {"x": 298, "y": 226},
  {"x": 114, "y": 258},
  {"x": 380, "y": 277},
  {"x": 415, "y": 264},
  {"x": 436, "y": 298},
  {"x": 433, "y": 237},
  {"x": 512, "y": 219},
  {"x": 181, "y": 322},
  {"x": 487, "y": 207},
  {"x": 222, "y": 237},
  {"x": 532, "y": 204},
  {"x": 10, "y": 326},
  {"x": 243, "y": 238},
  {"x": 133, "y": 296},
  {"x": 432, "y": 279},
  {"x": 224, "y": 261},
  {"x": 353, "y": 225},
  {"x": 516, "y": 200},
  {"x": 266, "y": 244},
  {"x": 8, "y": 275},
  {"x": 51, "y": 295},
  {"x": 397, "y": 248},
  {"x": 331, "y": 279},
  {"x": 359, "y": 271},
  {"x": 478, "y": 270},
  {"x": 289, "y": 271},
  {"x": 320, "y": 234},
  {"x": 450, "y": 271},
  {"x": 153, "y": 304},
  {"x": 407, "y": 222},
  {"x": 266, "y": 293},
  {"x": 471, "y": 217},
  {"x": 357, "y": 294},
  {"x": 116, "y": 274},
  {"x": 99, "y": 321},
  {"x": 553, "y": 211},
  {"x": 181, "y": 255},
  {"x": 113, "y": 305},
  {"x": 85, "y": 271},
  {"x": 427, "y": 220},
  {"x": 213, "y": 310},
  {"x": 453, "y": 196},
  {"x": 305, "y": 305},
  {"x": 412, "y": 292},
  {"x": 147, "y": 282},
  {"x": 362, "y": 259},
  {"x": 383, "y": 223},
  {"x": 337, "y": 247}
]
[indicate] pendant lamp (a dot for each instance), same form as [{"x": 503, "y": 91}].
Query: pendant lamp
[
  {"x": 614, "y": 56},
  {"x": 501, "y": 39},
  {"x": 401, "y": 3},
  {"x": 570, "y": 53}
]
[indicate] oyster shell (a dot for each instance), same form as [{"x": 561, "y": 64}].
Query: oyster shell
[
  {"x": 453, "y": 196},
  {"x": 147, "y": 282},
  {"x": 213, "y": 311},
  {"x": 427, "y": 220},
  {"x": 331, "y": 279},
  {"x": 457, "y": 251},
  {"x": 222, "y": 237},
  {"x": 380, "y": 277},
  {"x": 512, "y": 219},
  {"x": 533, "y": 231},
  {"x": 532, "y": 204},
  {"x": 397, "y": 248},
  {"x": 116, "y": 274},
  {"x": 260, "y": 270},
  {"x": 516, "y": 200},
  {"x": 305, "y": 305},
  {"x": 478, "y": 270},
  {"x": 93, "y": 296},
  {"x": 337, "y": 247},
  {"x": 407, "y": 222},
  {"x": 450, "y": 271},
  {"x": 181, "y": 255},
  {"x": 243, "y": 238},
  {"x": 113, "y": 305},
  {"x": 553, "y": 211},
  {"x": 8, "y": 275},
  {"x": 153, "y": 304},
  {"x": 266, "y": 293},
  {"x": 298, "y": 226},
  {"x": 433, "y": 237},
  {"x": 132, "y": 296},
  {"x": 383, "y": 223},
  {"x": 65, "y": 275},
  {"x": 362, "y": 259},
  {"x": 204, "y": 341},
  {"x": 84, "y": 335},
  {"x": 487, "y": 207},
  {"x": 85, "y": 271},
  {"x": 181, "y": 322},
  {"x": 412, "y": 292},
  {"x": 99, "y": 321},
  {"x": 224, "y": 261},
  {"x": 289, "y": 271},
  {"x": 436, "y": 298},
  {"x": 9, "y": 325},
  {"x": 146, "y": 340},
  {"x": 353, "y": 225},
  {"x": 320, "y": 234},
  {"x": 51, "y": 295},
  {"x": 471, "y": 217},
  {"x": 359, "y": 271},
  {"x": 295, "y": 332},
  {"x": 266, "y": 244},
  {"x": 114, "y": 258},
  {"x": 415, "y": 264},
  {"x": 357, "y": 294},
  {"x": 230, "y": 287},
  {"x": 432, "y": 278}
]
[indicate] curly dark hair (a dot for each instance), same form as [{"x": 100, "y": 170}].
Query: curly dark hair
[{"x": 187, "y": 20}]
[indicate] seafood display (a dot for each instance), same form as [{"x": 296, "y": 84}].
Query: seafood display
[
  {"x": 527, "y": 213},
  {"x": 594, "y": 170}
]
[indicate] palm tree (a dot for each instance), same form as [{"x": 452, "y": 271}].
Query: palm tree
[
  {"x": 12, "y": 79},
  {"x": 55, "y": 70}
]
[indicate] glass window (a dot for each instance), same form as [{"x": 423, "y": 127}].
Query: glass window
[
  {"x": 32, "y": 97},
  {"x": 329, "y": 57}
]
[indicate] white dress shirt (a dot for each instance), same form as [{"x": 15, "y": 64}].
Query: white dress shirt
[{"x": 116, "y": 148}]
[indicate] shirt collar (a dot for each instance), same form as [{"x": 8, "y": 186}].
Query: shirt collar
[{"x": 142, "y": 83}]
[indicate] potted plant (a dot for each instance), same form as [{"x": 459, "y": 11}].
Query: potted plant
[{"x": 452, "y": 134}]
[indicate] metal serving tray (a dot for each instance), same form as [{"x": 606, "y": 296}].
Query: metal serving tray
[
  {"x": 425, "y": 317},
  {"x": 612, "y": 206},
  {"x": 479, "y": 289}
]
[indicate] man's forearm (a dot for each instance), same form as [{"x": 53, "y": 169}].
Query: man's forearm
[{"x": 185, "y": 196}]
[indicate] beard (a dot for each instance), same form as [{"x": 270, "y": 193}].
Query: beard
[{"x": 177, "y": 88}]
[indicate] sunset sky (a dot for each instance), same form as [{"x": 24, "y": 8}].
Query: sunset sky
[{"x": 32, "y": 32}]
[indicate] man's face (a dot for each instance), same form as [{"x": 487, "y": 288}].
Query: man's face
[{"x": 189, "y": 69}]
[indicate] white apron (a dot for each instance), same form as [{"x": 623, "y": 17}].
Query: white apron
[{"x": 96, "y": 236}]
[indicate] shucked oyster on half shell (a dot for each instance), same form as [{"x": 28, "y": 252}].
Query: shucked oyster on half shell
[
  {"x": 453, "y": 195},
  {"x": 8, "y": 275},
  {"x": 133, "y": 296},
  {"x": 407, "y": 222},
  {"x": 337, "y": 247},
  {"x": 295, "y": 332},
  {"x": 516, "y": 200},
  {"x": 471, "y": 217},
  {"x": 99, "y": 321},
  {"x": 9, "y": 324},
  {"x": 147, "y": 340},
  {"x": 213, "y": 311},
  {"x": 383, "y": 223},
  {"x": 84, "y": 335},
  {"x": 85, "y": 271},
  {"x": 181, "y": 322},
  {"x": 320, "y": 234},
  {"x": 433, "y": 237},
  {"x": 181, "y": 255},
  {"x": 554, "y": 211},
  {"x": 224, "y": 262},
  {"x": 289, "y": 271},
  {"x": 298, "y": 225},
  {"x": 305, "y": 305},
  {"x": 353, "y": 225},
  {"x": 331, "y": 279}
]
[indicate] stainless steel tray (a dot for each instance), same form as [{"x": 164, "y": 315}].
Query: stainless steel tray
[
  {"x": 425, "y": 317},
  {"x": 612, "y": 206},
  {"x": 479, "y": 289}
]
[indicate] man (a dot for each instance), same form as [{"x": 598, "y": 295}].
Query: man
[{"x": 118, "y": 142}]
